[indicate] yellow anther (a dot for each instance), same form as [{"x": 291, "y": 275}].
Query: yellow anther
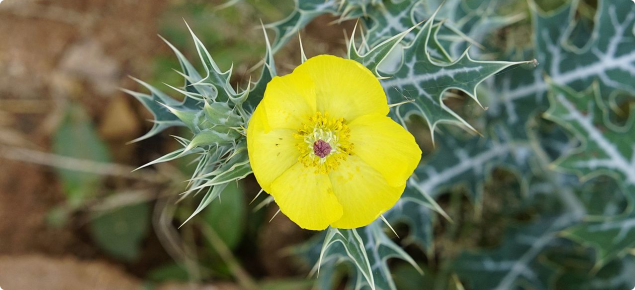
[{"x": 329, "y": 130}]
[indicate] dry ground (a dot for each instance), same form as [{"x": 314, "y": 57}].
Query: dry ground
[{"x": 53, "y": 52}]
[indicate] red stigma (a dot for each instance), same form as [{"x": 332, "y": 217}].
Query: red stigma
[{"x": 321, "y": 148}]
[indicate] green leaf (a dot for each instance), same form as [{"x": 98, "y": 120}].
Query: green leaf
[
  {"x": 525, "y": 256},
  {"x": 197, "y": 91},
  {"x": 267, "y": 74},
  {"x": 121, "y": 231},
  {"x": 77, "y": 138},
  {"x": 608, "y": 57},
  {"x": 418, "y": 216},
  {"x": 463, "y": 22},
  {"x": 236, "y": 168},
  {"x": 388, "y": 19},
  {"x": 218, "y": 80},
  {"x": 466, "y": 22},
  {"x": 287, "y": 285},
  {"x": 190, "y": 118},
  {"x": 215, "y": 169},
  {"x": 169, "y": 272},
  {"x": 227, "y": 215},
  {"x": 611, "y": 203},
  {"x": 211, "y": 137},
  {"x": 354, "y": 249},
  {"x": 616, "y": 275},
  {"x": 367, "y": 249},
  {"x": 192, "y": 78},
  {"x": 425, "y": 81},
  {"x": 305, "y": 12},
  {"x": 211, "y": 194},
  {"x": 408, "y": 278},
  {"x": 380, "y": 248},
  {"x": 470, "y": 162},
  {"x": 179, "y": 153},
  {"x": 606, "y": 148},
  {"x": 611, "y": 237},
  {"x": 157, "y": 103},
  {"x": 214, "y": 112},
  {"x": 221, "y": 114},
  {"x": 517, "y": 261},
  {"x": 374, "y": 58}
]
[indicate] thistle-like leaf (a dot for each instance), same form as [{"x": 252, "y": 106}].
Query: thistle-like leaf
[
  {"x": 470, "y": 162},
  {"x": 267, "y": 74},
  {"x": 516, "y": 261},
  {"x": 413, "y": 210},
  {"x": 367, "y": 249},
  {"x": 610, "y": 238},
  {"x": 526, "y": 254},
  {"x": 608, "y": 57},
  {"x": 614, "y": 276},
  {"x": 305, "y": 12},
  {"x": 374, "y": 58},
  {"x": 465, "y": 22},
  {"x": 425, "y": 81},
  {"x": 389, "y": 19},
  {"x": 214, "y": 113},
  {"x": 606, "y": 149},
  {"x": 353, "y": 248},
  {"x": 215, "y": 79},
  {"x": 380, "y": 248},
  {"x": 155, "y": 103}
]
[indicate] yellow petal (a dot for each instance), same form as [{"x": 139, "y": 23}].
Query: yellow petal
[
  {"x": 289, "y": 101},
  {"x": 270, "y": 153},
  {"x": 363, "y": 193},
  {"x": 306, "y": 198},
  {"x": 344, "y": 88},
  {"x": 386, "y": 146}
]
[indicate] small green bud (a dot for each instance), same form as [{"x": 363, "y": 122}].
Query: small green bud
[{"x": 218, "y": 113}]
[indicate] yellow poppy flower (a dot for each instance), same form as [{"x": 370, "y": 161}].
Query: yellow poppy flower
[{"x": 321, "y": 144}]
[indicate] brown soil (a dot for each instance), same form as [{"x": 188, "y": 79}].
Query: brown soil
[
  {"x": 67, "y": 273},
  {"x": 52, "y": 53},
  {"x": 24, "y": 204},
  {"x": 58, "y": 51},
  {"x": 41, "y": 272}
]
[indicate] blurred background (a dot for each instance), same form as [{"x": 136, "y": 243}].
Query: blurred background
[{"x": 72, "y": 215}]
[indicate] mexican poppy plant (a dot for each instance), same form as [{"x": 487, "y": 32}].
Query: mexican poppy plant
[{"x": 321, "y": 144}]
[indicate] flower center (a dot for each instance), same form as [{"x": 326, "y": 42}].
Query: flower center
[
  {"x": 323, "y": 142},
  {"x": 321, "y": 148}
]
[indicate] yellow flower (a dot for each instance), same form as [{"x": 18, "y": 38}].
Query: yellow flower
[{"x": 321, "y": 144}]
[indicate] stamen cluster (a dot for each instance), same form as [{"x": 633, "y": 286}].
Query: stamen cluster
[{"x": 320, "y": 132}]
